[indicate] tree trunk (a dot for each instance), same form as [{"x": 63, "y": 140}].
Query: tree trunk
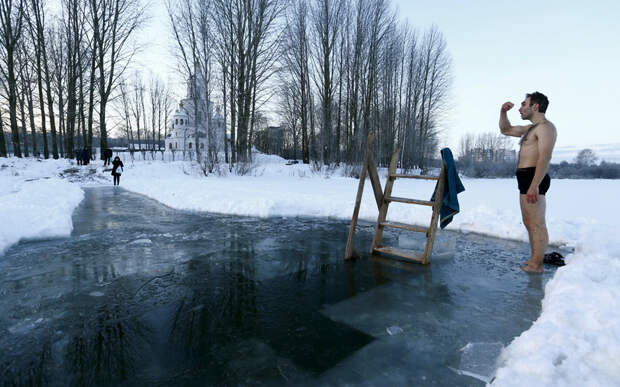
[
  {"x": 33, "y": 131},
  {"x": 91, "y": 97},
  {"x": 2, "y": 141},
  {"x": 50, "y": 101},
  {"x": 22, "y": 109},
  {"x": 46, "y": 153},
  {"x": 12, "y": 84}
]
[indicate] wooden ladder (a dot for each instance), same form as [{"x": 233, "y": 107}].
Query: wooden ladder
[{"x": 383, "y": 201}]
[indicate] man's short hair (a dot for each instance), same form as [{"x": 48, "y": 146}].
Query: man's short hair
[{"x": 540, "y": 99}]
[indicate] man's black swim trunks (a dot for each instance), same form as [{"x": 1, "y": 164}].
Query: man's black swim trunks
[{"x": 525, "y": 177}]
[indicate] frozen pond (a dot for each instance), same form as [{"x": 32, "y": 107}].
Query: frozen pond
[{"x": 141, "y": 294}]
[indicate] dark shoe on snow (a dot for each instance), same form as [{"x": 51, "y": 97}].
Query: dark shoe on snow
[{"x": 554, "y": 258}]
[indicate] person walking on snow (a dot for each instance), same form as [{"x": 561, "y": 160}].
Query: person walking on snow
[
  {"x": 117, "y": 169},
  {"x": 536, "y": 146},
  {"x": 107, "y": 155},
  {"x": 85, "y": 156}
]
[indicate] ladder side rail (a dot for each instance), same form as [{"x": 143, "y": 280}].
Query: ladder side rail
[
  {"x": 376, "y": 241},
  {"x": 430, "y": 240},
  {"x": 374, "y": 180},
  {"x": 350, "y": 249}
]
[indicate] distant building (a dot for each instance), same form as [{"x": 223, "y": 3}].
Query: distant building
[{"x": 182, "y": 135}]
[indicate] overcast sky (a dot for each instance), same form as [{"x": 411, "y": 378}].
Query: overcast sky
[{"x": 568, "y": 50}]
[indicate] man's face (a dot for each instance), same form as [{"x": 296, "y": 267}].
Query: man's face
[{"x": 526, "y": 109}]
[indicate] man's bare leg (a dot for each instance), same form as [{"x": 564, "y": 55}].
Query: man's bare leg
[
  {"x": 527, "y": 222},
  {"x": 534, "y": 215}
]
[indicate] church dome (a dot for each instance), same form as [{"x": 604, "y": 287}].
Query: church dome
[{"x": 180, "y": 117}]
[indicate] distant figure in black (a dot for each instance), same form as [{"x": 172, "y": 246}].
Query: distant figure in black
[
  {"x": 107, "y": 155},
  {"x": 85, "y": 156},
  {"x": 117, "y": 169},
  {"x": 78, "y": 156}
]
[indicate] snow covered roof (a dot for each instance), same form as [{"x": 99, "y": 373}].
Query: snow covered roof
[{"x": 181, "y": 113}]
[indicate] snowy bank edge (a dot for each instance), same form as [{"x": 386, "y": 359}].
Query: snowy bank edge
[{"x": 38, "y": 209}]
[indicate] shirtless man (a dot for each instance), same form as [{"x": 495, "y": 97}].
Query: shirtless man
[{"x": 537, "y": 141}]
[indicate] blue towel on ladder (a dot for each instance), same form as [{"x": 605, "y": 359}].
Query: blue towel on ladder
[{"x": 452, "y": 187}]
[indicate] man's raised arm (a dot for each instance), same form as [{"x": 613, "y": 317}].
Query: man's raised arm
[{"x": 504, "y": 123}]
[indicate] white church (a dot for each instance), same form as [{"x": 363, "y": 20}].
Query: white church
[{"x": 182, "y": 133}]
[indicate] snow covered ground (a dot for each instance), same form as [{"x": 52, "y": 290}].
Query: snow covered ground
[
  {"x": 575, "y": 341},
  {"x": 35, "y": 202}
]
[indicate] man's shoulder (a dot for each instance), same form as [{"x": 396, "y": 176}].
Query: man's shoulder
[
  {"x": 547, "y": 124},
  {"x": 546, "y": 127}
]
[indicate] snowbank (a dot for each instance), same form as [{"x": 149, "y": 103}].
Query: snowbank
[
  {"x": 36, "y": 202},
  {"x": 575, "y": 341}
]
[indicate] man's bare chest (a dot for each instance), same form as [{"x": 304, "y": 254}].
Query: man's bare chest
[
  {"x": 529, "y": 147},
  {"x": 530, "y": 141}
]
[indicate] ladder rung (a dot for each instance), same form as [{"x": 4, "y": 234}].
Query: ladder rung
[
  {"x": 403, "y": 176},
  {"x": 408, "y": 254},
  {"x": 405, "y": 226},
  {"x": 409, "y": 201}
]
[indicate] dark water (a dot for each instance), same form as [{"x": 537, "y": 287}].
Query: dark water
[{"x": 141, "y": 294}]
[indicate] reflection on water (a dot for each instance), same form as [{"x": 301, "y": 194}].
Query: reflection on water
[{"x": 144, "y": 295}]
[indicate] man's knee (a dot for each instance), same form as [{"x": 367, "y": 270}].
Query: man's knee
[
  {"x": 526, "y": 217},
  {"x": 539, "y": 226},
  {"x": 527, "y": 224}
]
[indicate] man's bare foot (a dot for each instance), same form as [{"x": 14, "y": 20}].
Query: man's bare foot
[{"x": 532, "y": 269}]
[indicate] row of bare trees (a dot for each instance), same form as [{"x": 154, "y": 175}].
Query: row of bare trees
[
  {"x": 59, "y": 73},
  {"x": 227, "y": 50},
  {"x": 350, "y": 67},
  {"x": 143, "y": 111},
  {"x": 485, "y": 147},
  {"x": 339, "y": 68}
]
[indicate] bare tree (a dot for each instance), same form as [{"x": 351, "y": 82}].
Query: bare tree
[
  {"x": 84, "y": 60},
  {"x": 74, "y": 31},
  {"x": 327, "y": 19},
  {"x": 11, "y": 28},
  {"x": 387, "y": 97},
  {"x": 57, "y": 43},
  {"x": 125, "y": 100},
  {"x": 586, "y": 157},
  {"x": 27, "y": 75},
  {"x": 154, "y": 96},
  {"x": 411, "y": 89},
  {"x": 137, "y": 106},
  {"x": 250, "y": 37},
  {"x": 24, "y": 89},
  {"x": 38, "y": 32},
  {"x": 113, "y": 23},
  {"x": 35, "y": 28},
  {"x": 190, "y": 22},
  {"x": 290, "y": 111},
  {"x": 167, "y": 106},
  {"x": 370, "y": 73},
  {"x": 485, "y": 147},
  {"x": 3, "y": 152},
  {"x": 435, "y": 84},
  {"x": 295, "y": 73},
  {"x": 225, "y": 52}
]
